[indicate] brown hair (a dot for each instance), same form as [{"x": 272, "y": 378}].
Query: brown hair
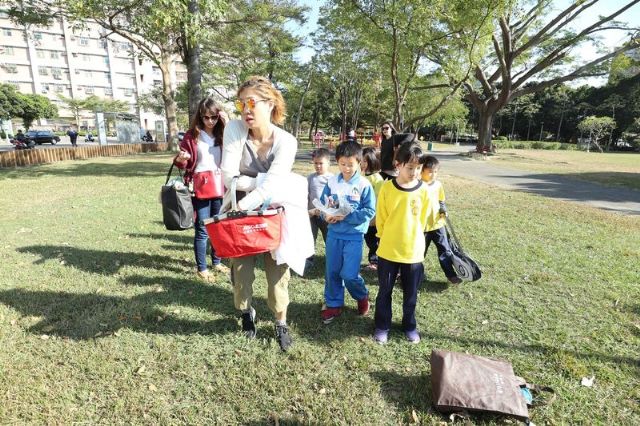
[
  {"x": 370, "y": 155},
  {"x": 205, "y": 105},
  {"x": 267, "y": 90}
]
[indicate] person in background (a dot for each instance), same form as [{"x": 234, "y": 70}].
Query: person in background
[
  {"x": 387, "y": 166},
  {"x": 370, "y": 167},
  {"x": 317, "y": 181},
  {"x": 73, "y": 136},
  {"x": 436, "y": 230},
  {"x": 401, "y": 219},
  {"x": 254, "y": 145},
  {"x": 200, "y": 153},
  {"x": 346, "y": 233}
]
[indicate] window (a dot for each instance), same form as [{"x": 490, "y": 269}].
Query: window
[
  {"x": 37, "y": 36},
  {"x": 140, "y": 61},
  {"x": 45, "y": 88},
  {"x": 56, "y": 73},
  {"x": 106, "y": 60},
  {"x": 83, "y": 41},
  {"x": 3, "y": 14},
  {"x": 43, "y": 71},
  {"x": 141, "y": 78},
  {"x": 10, "y": 69},
  {"x": 89, "y": 91},
  {"x": 6, "y": 32},
  {"x": 108, "y": 92},
  {"x": 88, "y": 74},
  {"x": 55, "y": 54},
  {"x": 40, "y": 54},
  {"x": 8, "y": 50},
  {"x": 102, "y": 43},
  {"x": 128, "y": 92},
  {"x": 59, "y": 88}
]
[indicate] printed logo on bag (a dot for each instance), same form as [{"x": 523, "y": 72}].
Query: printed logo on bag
[
  {"x": 499, "y": 382},
  {"x": 249, "y": 229}
]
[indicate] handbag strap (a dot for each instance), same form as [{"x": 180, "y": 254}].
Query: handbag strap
[{"x": 169, "y": 174}]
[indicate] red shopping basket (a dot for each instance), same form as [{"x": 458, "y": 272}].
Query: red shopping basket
[{"x": 240, "y": 233}]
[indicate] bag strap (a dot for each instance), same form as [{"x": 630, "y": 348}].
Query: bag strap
[
  {"x": 169, "y": 174},
  {"x": 453, "y": 233}
]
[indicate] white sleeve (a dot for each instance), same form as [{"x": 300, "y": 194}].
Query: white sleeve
[
  {"x": 235, "y": 134},
  {"x": 285, "y": 147}
]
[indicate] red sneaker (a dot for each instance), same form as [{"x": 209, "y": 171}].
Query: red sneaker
[
  {"x": 363, "y": 306},
  {"x": 328, "y": 314}
]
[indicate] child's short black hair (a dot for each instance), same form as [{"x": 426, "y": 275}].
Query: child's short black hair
[
  {"x": 429, "y": 162},
  {"x": 321, "y": 153},
  {"x": 369, "y": 154},
  {"x": 349, "y": 149},
  {"x": 408, "y": 153},
  {"x": 402, "y": 138}
]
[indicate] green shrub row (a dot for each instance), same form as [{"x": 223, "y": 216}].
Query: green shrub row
[{"x": 502, "y": 144}]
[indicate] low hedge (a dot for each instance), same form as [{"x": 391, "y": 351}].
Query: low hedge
[{"x": 501, "y": 144}]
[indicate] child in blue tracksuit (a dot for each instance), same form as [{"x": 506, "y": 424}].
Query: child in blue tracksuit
[{"x": 345, "y": 238}]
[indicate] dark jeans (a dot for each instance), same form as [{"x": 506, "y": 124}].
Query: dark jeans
[
  {"x": 204, "y": 209},
  {"x": 445, "y": 255},
  {"x": 411, "y": 275},
  {"x": 372, "y": 243},
  {"x": 317, "y": 224}
]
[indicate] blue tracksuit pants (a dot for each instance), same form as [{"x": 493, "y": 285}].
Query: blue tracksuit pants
[
  {"x": 343, "y": 270},
  {"x": 445, "y": 255}
]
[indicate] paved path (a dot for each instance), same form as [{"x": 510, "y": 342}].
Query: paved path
[{"x": 620, "y": 200}]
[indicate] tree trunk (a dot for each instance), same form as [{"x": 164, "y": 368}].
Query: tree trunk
[
  {"x": 194, "y": 71},
  {"x": 484, "y": 130},
  {"x": 168, "y": 96},
  {"x": 560, "y": 126},
  {"x": 296, "y": 124}
]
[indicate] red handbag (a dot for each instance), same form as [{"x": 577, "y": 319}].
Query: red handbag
[
  {"x": 208, "y": 184},
  {"x": 240, "y": 233}
]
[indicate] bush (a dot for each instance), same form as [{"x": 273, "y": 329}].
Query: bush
[
  {"x": 502, "y": 138},
  {"x": 3, "y": 135},
  {"x": 500, "y": 144}
]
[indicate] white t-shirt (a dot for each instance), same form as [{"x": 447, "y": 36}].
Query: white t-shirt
[{"x": 209, "y": 155}]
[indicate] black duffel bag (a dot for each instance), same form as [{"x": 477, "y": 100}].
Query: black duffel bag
[{"x": 177, "y": 209}]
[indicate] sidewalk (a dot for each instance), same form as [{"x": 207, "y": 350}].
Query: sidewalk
[{"x": 619, "y": 200}]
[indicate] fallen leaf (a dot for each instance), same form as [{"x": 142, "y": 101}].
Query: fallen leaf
[
  {"x": 44, "y": 337},
  {"x": 140, "y": 370},
  {"x": 485, "y": 322},
  {"x": 160, "y": 318},
  {"x": 322, "y": 391},
  {"x": 238, "y": 352},
  {"x": 62, "y": 262},
  {"x": 362, "y": 339},
  {"x": 587, "y": 381},
  {"x": 159, "y": 290},
  {"x": 414, "y": 417},
  {"x": 176, "y": 311},
  {"x": 117, "y": 333},
  {"x": 14, "y": 322},
  {"x": 153, "y": 387}
]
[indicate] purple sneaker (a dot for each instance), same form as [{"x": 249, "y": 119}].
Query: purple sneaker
[
  {"x": 412, "y": 336},
  {"x": 381, "y": 336}
]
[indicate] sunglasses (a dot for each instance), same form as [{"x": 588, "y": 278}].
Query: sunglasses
[
  {"x": 249, "y": 103},
  {"x": 386, "y": 128},
  {"x": 210, "y": 117}
]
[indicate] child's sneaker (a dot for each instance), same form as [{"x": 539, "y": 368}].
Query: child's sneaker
[
  {"x": 412, "y": 336},
  {"x": 381, "y": 336},
  {"x": 363, "y": 306},
  {"x": 328, "y": 314},
  {"x": 454, "y": 280}
]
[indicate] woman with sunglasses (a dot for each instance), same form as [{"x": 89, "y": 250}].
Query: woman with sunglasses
[
  {"x": 388, "y": 169},
  {"x": 200, "y": 156},
  {"x": 255, "y": 145}
]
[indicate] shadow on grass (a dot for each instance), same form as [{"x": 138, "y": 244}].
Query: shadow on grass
[
  {"x": 101, "y": 261},
  {"x": 129, "y": 167},
  {"x": 407, "y": 392},
  {"x": 86, "y": 316},
  {"x": 185, "y": 238}
]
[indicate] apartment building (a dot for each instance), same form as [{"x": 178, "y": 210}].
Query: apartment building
[{"x": 58, "y": 60}]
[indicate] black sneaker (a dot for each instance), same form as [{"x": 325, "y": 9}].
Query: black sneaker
[
  {"x": 283, "y": 337},
  {"x": 249, "y": 324}
]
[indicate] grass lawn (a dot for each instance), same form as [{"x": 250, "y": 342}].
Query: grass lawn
[
  {"x": 103, "y": 321},
  {"x": 614, "y": 169}
]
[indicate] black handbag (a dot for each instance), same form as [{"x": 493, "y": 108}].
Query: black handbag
[{"x": 177, "y": 209}]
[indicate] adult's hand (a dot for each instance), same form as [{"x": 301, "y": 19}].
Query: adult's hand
[{"x": 182, "y": 156}]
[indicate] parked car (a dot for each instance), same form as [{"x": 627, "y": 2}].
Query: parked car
[{"x": 43, "y": 136}]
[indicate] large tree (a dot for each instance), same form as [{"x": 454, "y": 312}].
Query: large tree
[
  {"x": 529, "y": 47},
  {"x": 35, "y": 107}
]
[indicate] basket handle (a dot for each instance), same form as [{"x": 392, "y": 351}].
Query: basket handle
[{"x": 234, "y": 201}]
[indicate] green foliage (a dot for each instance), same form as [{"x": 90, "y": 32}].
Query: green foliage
[
  {"x": 10, "y": 102},
  {"x": 34, "y": 107},
  {"x": 507, "y": 144}
]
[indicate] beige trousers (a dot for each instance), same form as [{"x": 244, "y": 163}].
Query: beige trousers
[{"x": 242, "y": 277}]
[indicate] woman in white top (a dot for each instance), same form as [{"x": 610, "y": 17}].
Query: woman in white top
[
  {"x": 200, "y": 155},
  {"x": 253, "y": 145}
]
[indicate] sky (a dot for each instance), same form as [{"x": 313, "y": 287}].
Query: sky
[{"x": 611, "y": 38}]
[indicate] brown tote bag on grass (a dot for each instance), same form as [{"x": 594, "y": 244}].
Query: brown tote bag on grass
[{"x": 462, "y": 382}]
